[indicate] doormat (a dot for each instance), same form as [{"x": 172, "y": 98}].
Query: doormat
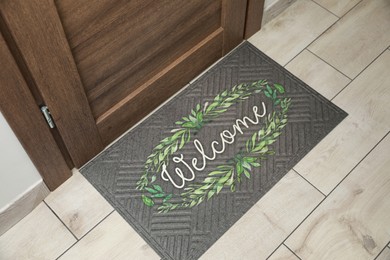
[{"x": 188, "y": 172}]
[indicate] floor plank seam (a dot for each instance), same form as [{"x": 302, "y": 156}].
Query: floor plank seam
[
  {"x": 330, "y": 26},
  {"x": 284, "y": 66},
  {"x": 85, "y": 234},
  {"x": 292, "y": 251},
  {"x": 329, "y": 65},
  {"x": 334, "y": 188},
  {"x": 380, "y": 252},
  {"x": 55, "y": 214},
  {"x": 326, "y": 9},
  {"x": 311, "y": 184},
  {"x": 63, "y": 253},
  {"x": 360, "y": 73},
  {"x": 304, "y": 219},
  {"x": 89, "y": 231},
  {"x": 276, "y": 249}
]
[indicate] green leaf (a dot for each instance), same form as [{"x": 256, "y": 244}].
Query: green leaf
[
  {"x": 158, "y": 195},
  {"x": 182, "y": 143},
  {"x": 199, "y": 117},
  {"x": 276, "y": 134},
  {"x": 229, "y": 182},
  {"x": 279, "y": 88},
  {"x": 216, "y": 173},
  {"x": 199, "y": 191},
  {"x": 250, "y": 159},
  {"x": 264, "y": 150},
  {"x": 256, "y": 164},
  {"x": 158, "y": 187},
  {"x": 198, "y": 107},
  {"x": 177, "y": 134},
  {"x": 224, "y": 178},
  {"x": 200, "y": 200},
  {"x": 239, "y": 168},
  {"x": 153, "y": 178},
  {"x": 174, "y": 148},
  {"x": 210, "y": 194},
  {"x": 261, "y": 133},
  {"x": 253, "y": 140},
  {"x": 167, "y": 198},
  {"x": 247, "y": 174},
  {"x": 147, "y": 201},
  {"x": 209, "y": 180},
  {"x": 193, "y": 203},
  {"x": 266, "y": 93},
  {"x": 151, "y": 190},
  {"x": 193, "y": 119},
  {"x": 219, "y": 188},
  {"x": 189, "y": 125},
  {"x": 161, "y": 157},
  {"x": 269, "y": 89},
  {"x": 248, "y": 145},
  {"x": 246, "y": 166}
]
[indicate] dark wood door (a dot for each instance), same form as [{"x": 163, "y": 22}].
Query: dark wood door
[{"x": 102, "y": 65}]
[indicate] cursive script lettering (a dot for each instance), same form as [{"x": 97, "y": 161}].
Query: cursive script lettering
[{"x": 227, "y": 137}]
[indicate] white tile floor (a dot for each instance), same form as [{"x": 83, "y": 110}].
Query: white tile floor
[{"x": 335, "y": 204}]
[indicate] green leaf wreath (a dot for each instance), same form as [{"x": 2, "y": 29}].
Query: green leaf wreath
[{"x": 228, "y": 175}]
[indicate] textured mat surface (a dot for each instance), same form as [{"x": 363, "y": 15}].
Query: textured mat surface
[{"x": 189, "y": 171}]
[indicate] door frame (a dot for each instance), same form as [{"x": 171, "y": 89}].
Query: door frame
[
  {"x": 54, "y": 152},
  {"x": 19, "y": 108}
]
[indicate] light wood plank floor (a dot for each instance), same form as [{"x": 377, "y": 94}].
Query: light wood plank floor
[{"x": 334, "y": 204}]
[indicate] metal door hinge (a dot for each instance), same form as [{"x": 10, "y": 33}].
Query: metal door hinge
[{"x": 46, "y": 113}]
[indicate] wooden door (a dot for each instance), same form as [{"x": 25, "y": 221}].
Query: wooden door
[{"x": 102, "y": 65}]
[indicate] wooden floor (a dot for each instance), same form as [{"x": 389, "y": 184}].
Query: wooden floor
[{"x": 334, "y": 204}]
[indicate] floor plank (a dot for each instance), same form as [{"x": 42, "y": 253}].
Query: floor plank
[
  {"x": 40, "y": 235},
  {"x": 317, "y": 74},
  {"x": 289, "y": 33},
  {"x": 356, "y": 39},
  {"x": 283, "y": 253},
  {"x": 112, "y": 239},
  {"x": 78, "y": 205},
  {"x": 339, "y": 152},
  {"x": 369, "y": 94},
  {"x": 264, "y": 227},
  {"x": 353, "y": 221},
  {"x": 338, "y": 7},
  {"x": 385, "y": 255},
  {"x": 331, "y": 160}
]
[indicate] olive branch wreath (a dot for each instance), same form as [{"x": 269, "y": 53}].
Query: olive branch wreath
[{"x": 225, "y": 175}]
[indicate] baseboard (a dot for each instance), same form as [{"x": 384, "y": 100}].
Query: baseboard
[
  {"x": 273, "y": 8},
  {"x": 22, "y": 206}
]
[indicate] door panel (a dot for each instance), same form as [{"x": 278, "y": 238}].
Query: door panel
[
  {"x": 102, "y": 65},
  {"x": 136, "y": 40},
  {"x": 138, "y": 104}
]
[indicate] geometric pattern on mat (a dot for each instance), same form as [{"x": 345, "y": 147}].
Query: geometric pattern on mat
[{"x": 187, "y": 233}]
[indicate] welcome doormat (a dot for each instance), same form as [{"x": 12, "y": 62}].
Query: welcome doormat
[{"x": 188, "y": 172}]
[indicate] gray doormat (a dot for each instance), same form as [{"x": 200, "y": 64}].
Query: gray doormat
[{"x": 187, "y": 173}]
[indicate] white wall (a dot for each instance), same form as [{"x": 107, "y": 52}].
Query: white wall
[{"x": 17, "y": 172}]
